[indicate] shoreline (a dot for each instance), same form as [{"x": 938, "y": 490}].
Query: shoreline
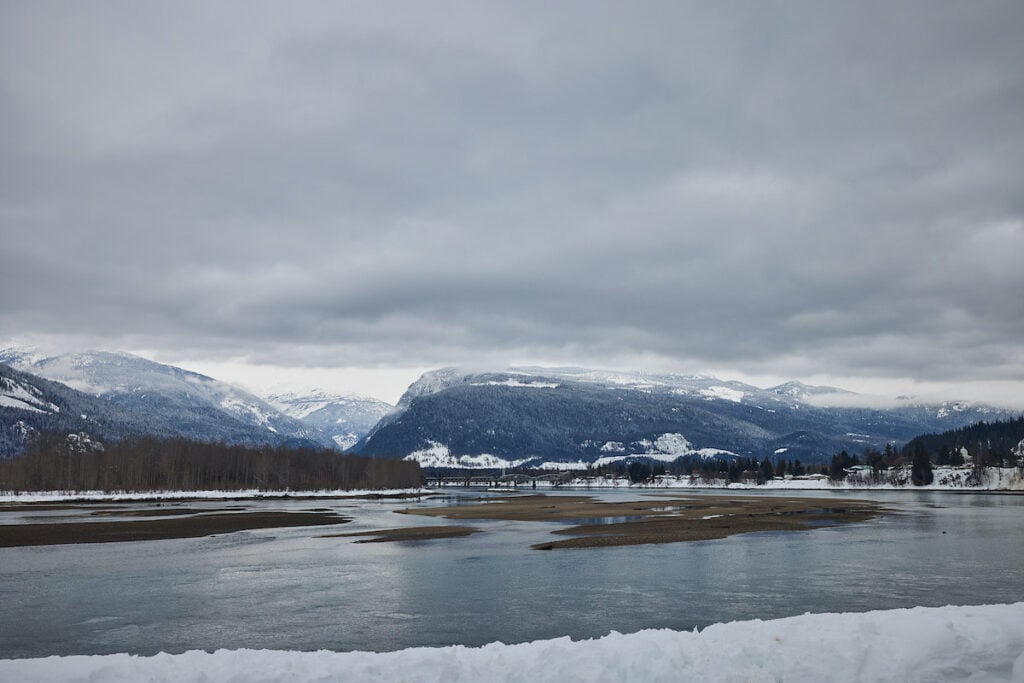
[
  {"x": 40, "y": 498},
  {"x": 85, "y": 497}
]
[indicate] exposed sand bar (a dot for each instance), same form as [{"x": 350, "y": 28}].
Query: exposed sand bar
[
  {"x": 593, "y": 523},
  {"x": 412, "y": 533},
  {"x": 205, "y": 524}
]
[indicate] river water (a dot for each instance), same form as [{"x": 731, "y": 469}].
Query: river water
[{"x": 295, "y": 589}]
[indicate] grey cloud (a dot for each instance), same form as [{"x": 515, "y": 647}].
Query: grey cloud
[{"x": 814, "y": 188}]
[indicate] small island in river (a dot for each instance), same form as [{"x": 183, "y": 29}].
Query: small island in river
[
  {"x": 593, "y": 523},
  {"x": 137, "y": 525}
]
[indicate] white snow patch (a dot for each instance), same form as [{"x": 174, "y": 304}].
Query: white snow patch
[
  {"x": 978, "y": 643},
  {"x": 673, "y": 444},
  {"x": 579, "y": 465},
  {"x": 608, "y": 459},
  {"x": 436, "y": 454},
  {"x": 670, "y": 446},
  {"x": 951, "y": 407},
  {"x": 245, "y": 494},
  {"x": 724, "y": 393},
  {"x": 434, "y": 449},
  {"x": 347, "y": 440},
  {"x": 780, "y": 451},
  {"x": 516, "y": 383},
  {"x": 666, "y": 448},
  {"x": 707, "y": 453},
  {"x": 11, "y": 402},
  {"x": 14, "y": 394}
]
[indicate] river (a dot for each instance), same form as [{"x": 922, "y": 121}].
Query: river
[{"x": 296, "y": 589}]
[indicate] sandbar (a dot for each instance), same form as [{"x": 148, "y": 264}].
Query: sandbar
[
  {"x": 206, "y": 524},
  {"x": 412, "y": 533},
  {"x": 592, "y": 523}
]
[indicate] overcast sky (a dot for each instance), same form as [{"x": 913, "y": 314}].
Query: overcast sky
[{"x": 818, "y": 190}]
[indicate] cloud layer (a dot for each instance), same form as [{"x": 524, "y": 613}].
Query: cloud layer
[{"x": 781, "y": 188}]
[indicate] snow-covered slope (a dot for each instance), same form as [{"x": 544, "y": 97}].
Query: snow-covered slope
[
  {"x": 972, "y": 643},
  {"x": 431, "y": 383},
  {"x": 21, "y": 394},
  {"x": 32, "y": 404},
  {"x": 343, "y": 418},
  {"x": 192, "y": 405}
]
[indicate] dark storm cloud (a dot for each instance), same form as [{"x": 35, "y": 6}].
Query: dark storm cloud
[{"x": 778, "y": 187}]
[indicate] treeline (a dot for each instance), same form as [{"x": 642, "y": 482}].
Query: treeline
[
  {"x": 72, "y": 462},
  {"x": 989, "y": 444},
  {"x": 887, "y": 466},
  {"x": 727, "y": 469},
  {"x": 981, "y": 445}
]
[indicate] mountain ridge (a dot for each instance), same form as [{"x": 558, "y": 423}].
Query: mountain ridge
[
  {"x": 534, "y": 415},
  {"x": 191, "y": 404},
  {"x": 29, "y": 404}
]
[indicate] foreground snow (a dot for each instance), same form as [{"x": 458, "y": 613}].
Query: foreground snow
[
  {"x": 65, "y": 496},
  {"x": 983, "y": 643}
]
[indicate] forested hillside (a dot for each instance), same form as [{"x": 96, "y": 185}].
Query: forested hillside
[
  {"x": 72, "y": 462},
  {"x": 449, "y": 418},
  {"x": 31, "y": 404}
]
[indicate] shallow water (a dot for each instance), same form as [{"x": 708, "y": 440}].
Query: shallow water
[{"x": 293, "y": 589}]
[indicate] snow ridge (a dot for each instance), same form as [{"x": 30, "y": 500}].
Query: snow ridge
[
  {"x": 978, "y": 643},
  {"x": 199, "y": 406}
]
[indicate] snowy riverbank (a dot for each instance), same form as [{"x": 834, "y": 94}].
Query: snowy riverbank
[
  {"x": 946, "y": 479},
  {"x": 71, "y": 496},
  {"x": 979, "y": 643}
]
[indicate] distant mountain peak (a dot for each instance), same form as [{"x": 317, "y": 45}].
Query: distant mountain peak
[
  {"x": 797, "y": 389},
  {"x": 431, "y": 382},
  {"x": 194, "y": 405},
  {"x": 344, "y": 418}
]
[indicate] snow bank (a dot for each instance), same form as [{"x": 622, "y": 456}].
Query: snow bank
[
  {"x": 984, "y": 643},
  {"x": 723, "y": 393},
  {"x": 65, "y": 496}
]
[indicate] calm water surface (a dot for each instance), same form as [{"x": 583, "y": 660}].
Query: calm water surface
[{"x": 294, "y": 589}]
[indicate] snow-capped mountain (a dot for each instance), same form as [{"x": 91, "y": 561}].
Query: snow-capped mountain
[
  {"x": 190, "y": 404},
  {"x": 32, "y": 404},
  {"x": 574, "y": 415},
  {"x": 343, "y": 418}
]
